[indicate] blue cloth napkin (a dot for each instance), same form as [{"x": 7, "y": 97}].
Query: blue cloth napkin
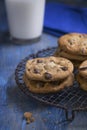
[{"x": 61, "y": 19}]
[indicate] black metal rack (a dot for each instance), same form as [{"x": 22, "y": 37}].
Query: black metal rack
[{"x": 70, "y": 99}]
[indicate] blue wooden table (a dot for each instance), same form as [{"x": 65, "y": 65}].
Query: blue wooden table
[{"x": 13, "y": 103}]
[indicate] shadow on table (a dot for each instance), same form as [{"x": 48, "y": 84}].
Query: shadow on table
[{"x": 6, "y": 39}]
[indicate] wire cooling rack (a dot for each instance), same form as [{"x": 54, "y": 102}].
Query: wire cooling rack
[{"x": 70, "y": 99}]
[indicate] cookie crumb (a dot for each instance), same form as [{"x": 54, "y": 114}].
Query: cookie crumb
[{"x": 28, "y": 117}]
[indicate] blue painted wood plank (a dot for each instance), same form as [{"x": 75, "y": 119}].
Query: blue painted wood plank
[{"x": 13, "y": 103}]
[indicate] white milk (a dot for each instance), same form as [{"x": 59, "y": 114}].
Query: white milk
[{"x": 25, "y": 18}]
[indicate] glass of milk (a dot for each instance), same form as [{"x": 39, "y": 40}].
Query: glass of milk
[{"x": 25, "y": 18}]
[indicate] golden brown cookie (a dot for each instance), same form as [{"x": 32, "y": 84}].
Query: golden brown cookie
[
  {"x": 48, "y": 68},
  {"x": 69, "y": 56},
  {"x": 82, "y": 81},
  {"x": 83, "y": 69},
  {"x": 48, "y": 87},
  {"x": 74, "y": 43}
]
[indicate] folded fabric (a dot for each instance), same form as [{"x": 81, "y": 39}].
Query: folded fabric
[{"x": 60, "y": 19}]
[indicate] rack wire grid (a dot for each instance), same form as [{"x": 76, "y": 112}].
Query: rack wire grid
[{"x": 70, "y": 99}]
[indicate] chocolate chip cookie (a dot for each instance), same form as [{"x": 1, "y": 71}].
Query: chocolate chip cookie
[
  {"x": 74, "y": 43},
  {"x": 70, "y": 56},
  {"x": 83, "y": 69},
  {"x": 82, "y": 75},
  {"x": 82, "y": 82},
  {"x": 48, "y": 87},
  {"x": 48, "y": 68}
]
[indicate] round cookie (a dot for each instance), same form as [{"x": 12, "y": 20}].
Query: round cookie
[
  {"x": 69, "y": 56},
  {"x": 82, "y": 82},
  {"x": 74, "y": 43},
  {"x": 83, "y": 69},
  {"x": 48, "y": 87},
  {"x": 76, "y": 63},
  {"x": 48, "y": 68}
]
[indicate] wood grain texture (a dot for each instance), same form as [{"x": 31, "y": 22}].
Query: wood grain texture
[{"x": 13, "y": 103}]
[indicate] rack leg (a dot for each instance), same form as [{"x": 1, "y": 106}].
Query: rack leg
[{"x": 69, "y": 115}]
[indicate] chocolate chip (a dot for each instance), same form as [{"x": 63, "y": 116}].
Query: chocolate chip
[
  {"x": 64, "y": 68},
  {"x": 47, "y": 75},
  {"x": 83, "y": 68},
  {"x": 80, "y": 36},
  {"x": 36, "y": 71},
  {"x": 39, "y": 61},
  {"x": 70, "y": 42}
]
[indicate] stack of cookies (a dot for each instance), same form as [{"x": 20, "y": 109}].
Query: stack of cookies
[
  {"x": 48, "y": 74},
  {"x": 73, "y": 46},
  {"x": 82, "y": 75}
]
